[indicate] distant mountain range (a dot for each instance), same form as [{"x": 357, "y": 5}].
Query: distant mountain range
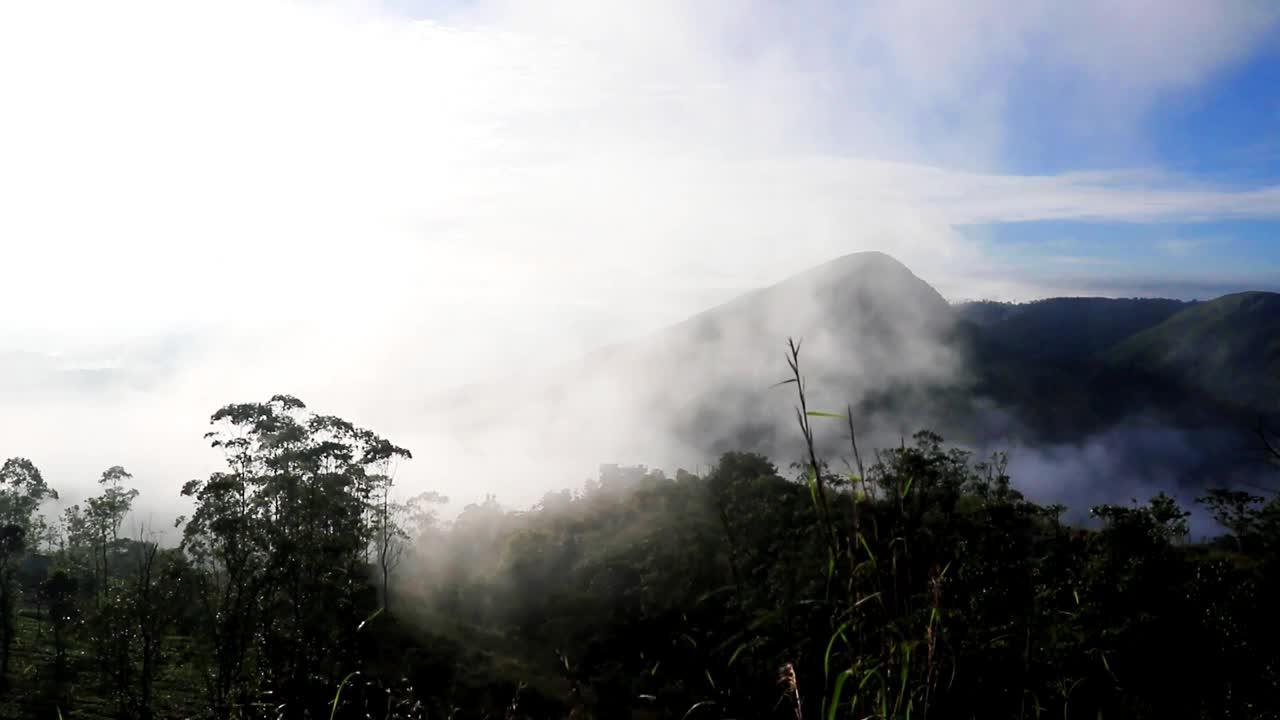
[
  {"x": 879, "y": 338},
  {"x": 93, "y": 371},
  {"x": 1070, "y": 365}
]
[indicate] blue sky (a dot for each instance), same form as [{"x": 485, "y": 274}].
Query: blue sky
[
  {"x": 1229, "y": 129},
  {"x": 1225, "y": 131},
  {"x": 1186, "y": 91},
  {"x": 479, "y": 153},
  {"x": 1184, "y": 260},
  {"x": 1225, "y": 127},
  {"x": 576, "y": 173}
]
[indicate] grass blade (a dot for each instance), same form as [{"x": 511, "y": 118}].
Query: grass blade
[
  {"x": 826, "y": 659},
  {"x": 333, "y": 711},
  {"x": 835, "y": 694},
  {"x": 369, "y": 619},
  {"x": 696, "y": 706}
]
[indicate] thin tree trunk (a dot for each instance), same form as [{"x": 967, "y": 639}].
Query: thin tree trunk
[
  {"x": 6, "y": 625},
  {"x": 386, "y": 589}
]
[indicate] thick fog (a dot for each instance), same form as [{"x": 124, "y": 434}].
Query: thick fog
[{"x": 391, "y": 210}]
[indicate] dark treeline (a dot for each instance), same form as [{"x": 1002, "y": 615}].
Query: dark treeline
[{"x": 917, "y": 582}]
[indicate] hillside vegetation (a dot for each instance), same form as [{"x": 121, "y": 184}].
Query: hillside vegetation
[
  {"x": 1072, "y": 329},
  {"x": 914, "y": 582},
  {"x": 1230, "y": 347},
  {"x": 888, "y": 580}
]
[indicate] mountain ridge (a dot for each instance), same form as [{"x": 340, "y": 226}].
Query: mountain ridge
[{"x": 880, "y": 339}]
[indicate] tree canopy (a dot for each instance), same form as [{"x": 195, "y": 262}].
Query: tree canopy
[{"x": 917, "y": 581}]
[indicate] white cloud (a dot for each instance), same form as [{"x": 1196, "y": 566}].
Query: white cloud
[
  {"x": 174, "y": 162},
  {"x": 361, "y": 207},
  {"x": 1180, "y": 247}
]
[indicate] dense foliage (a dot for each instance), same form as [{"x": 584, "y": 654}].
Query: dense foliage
[
  {"x": 921, "y": 584},
  {"x": 1035, "y": 329}
]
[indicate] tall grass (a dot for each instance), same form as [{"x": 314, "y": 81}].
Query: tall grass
[{"x": 884, "y": 653}]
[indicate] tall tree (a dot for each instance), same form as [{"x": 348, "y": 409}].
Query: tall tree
[
  {"x": 59, "y": 592},
  {"x": 1237, "y": 511},
  {"x": 22, "y": 490},
  {"x": 389, "y": 535},
  {"x": 284, "y": 534},
  {"x": 105, "y": 514},
  {"x": 396, "y": 525}
]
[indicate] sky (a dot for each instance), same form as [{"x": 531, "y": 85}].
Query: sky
[{"x": 364, "y": 202}]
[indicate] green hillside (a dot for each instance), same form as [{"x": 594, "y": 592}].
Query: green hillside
[
  {"x": 1228, "y": 347},
  {"x": 1067, "y": 328}
]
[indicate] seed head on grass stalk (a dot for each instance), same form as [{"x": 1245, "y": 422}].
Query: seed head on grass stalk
[{"x": 791, "y": 688}]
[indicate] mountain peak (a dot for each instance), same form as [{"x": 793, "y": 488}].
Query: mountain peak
[
  {"x": 871, "y": 283},
  {"x": 867, "y": 286},
  {"x": 854, "y": 266},
  {"x": 868, "y": 257}
]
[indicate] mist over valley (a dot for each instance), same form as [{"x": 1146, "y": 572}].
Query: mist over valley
[{"x": 661, "y": 360}]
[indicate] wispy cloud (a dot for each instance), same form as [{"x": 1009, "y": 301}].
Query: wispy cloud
[
  {"x": 1180, "y": 247},
  {"x": 1078, "y": 260},
  {"x": 336, "y": 193},
  {"x": 178, "y": 163}
]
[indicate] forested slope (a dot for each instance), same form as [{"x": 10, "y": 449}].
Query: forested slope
[{"x": 914, "y": 582}]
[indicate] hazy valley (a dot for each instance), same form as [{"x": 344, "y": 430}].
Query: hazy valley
[
  {"x": 1096, "y": 399},
  {"x": 639, "y": 360}
]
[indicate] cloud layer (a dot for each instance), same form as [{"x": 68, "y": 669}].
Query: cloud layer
[{"x": 358, "y": 206}]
